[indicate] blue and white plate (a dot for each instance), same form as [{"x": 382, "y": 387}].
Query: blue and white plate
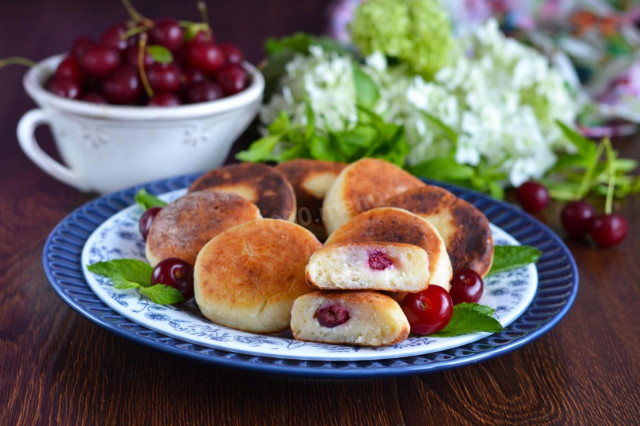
[{"x": 528, "y": 301}]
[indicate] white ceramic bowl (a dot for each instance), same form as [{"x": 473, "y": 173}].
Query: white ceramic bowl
[{"x": 106, "y": 148}]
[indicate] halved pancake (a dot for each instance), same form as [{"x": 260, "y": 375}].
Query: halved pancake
[
  {"x": 363, "y": 185},
  {"x": 184, "y": 226},
  {"x": 311, "y": 179},
  {"x": 363, "y": 318},
  {"x": 258, "y": 183},
  {"x": 464, "y": 229},
  {"x": 369, "y": 266},
  {"x": 388, "y": 224},
  {"x": 248, "y": 276}
]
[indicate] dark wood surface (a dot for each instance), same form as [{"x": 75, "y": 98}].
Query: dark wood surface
[{"x": 58, "y": 368}]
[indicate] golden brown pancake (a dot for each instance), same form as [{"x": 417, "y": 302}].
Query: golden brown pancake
[
  {"x": 363, "y": 318},
  {"x": 311, "y": 179},
  {"x": 464, "y": 229},
  {"x": 248, "y": 276},
  {"x": 363, "y": 185},
  {"x": 258, "y": 183},
  {"x": 388, "y": 224},
  {"x": 186, "y": 224}
]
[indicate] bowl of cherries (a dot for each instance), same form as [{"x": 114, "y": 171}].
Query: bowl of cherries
[{"x": 148, "y": 99}]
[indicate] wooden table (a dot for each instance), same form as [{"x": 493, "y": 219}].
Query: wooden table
[{"x": 58, "y": 368}]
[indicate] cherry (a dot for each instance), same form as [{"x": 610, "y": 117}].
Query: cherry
[
  {"x": 232, "y": 78},
  {"x": 80, "y": 46},
  {"x": 99, "y": 61},
  {"x": 609, "y": 229},
  {"x": 131, "y": 56},
  {"x": 576, "y": 217},
  {"x": 176, "y": 273},
  {"x": 164, "y": 100},
  {"x": 144, "y": 224},
  {"x": 164, "y": 78},
  {"x": 207, "y": 57},
  {"x": 64, "y": 86},
  {"x": 123, "y": 86},
  {"x": 205, "y": 36},
  {"x": 466, "y": 286},
  {"x": 69, "y": 67},
  {"x": 428, "y": 311},
  {"x": 332, "y": 316},
  {"x": 191, "y": 75},
  {"x": 232, "y": 52},
  {"x": 93, "y": 97},
  {"x": 203, "y": 91},
  {"x": 167, "y": 33},
  {"x": 114, "y": 37},
  {"x": 532, "y": 196},
  {"x": 379, "y": 261}
]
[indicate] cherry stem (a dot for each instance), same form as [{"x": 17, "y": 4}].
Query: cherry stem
[
  {"x": 134, "y": 14},
  {"x": 17, "y": 60},
  {"x": 586, "y": 180},
  {"x": 143, "y": 75},
  {"x": 136, "y": 30},
  {"x": 611, "y": 158},
  {"x": 202, "y": 7}
]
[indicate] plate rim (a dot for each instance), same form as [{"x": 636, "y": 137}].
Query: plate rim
[{"x": 409, "y": 365}]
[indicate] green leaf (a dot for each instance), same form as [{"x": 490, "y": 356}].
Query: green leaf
[
  {"x": 511, "y": 257},
  {"x": 281, "y": 125},
  {"x": 470, "y": 318},
  {"x": 259, "y": 150},
  {"x": 146, "y": 200},
  {"x": 443, "y": 168},
  {"x": 300, "y": 42},
  {"x": 162, "y": 294},
  {"x": 357, "y": 140},
  {"x": 448, "y": 130},
  {"x": 586, "y": 147},
  {"x": 367, "y": 93},
  {"x": 160, "y": 54},
  {"x": 125, "y": 273}
]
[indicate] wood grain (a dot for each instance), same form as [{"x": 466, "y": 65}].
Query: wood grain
[{"x": 58, "y": 368}]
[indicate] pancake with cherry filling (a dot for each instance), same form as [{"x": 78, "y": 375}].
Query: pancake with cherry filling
[
  {"x": 248, "y": 276},
  {"x": 388, "y": 224},
  {"x": 184, "y": 226},
  {"x": 258, "y": 183},
  {"x": 361, "y": 186},
  {"x": 464, "y": 229},
  {"x": 311, "y": 179}
]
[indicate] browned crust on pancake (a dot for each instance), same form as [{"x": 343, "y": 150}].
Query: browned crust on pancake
[
  {"x": 392, "y": 225},
  {"x": 185, "y": 225},
  {"x": 255, "y": 265},
  {"x": 471, "y": 245},
  {"x": 297, "y": 172},
  {"x": 370, "y": 182},
  {"x": 275, "y": 196}
]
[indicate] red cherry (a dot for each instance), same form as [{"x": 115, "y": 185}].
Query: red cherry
[
  {"x": 69, "y": 67},
  {"x": 81, "y": 45},
  {"x": 176, "y": 273},
  {"x": 167, "y": 33},
  {"x": 191, "y": 75},
  {"x": 131, "y": 56},
  {"x": 203, "y": 91},
  {"x": 64, "y": 86},
  {"x": 164, "y": 78},
  {"x": 207, "y": 57},
  {"x": 576, "y": 218},
  {"x": 232, "y": 52},
  {"x": 164, "y": 100},
  {"x": 146, "y": 219},
  {"x": 205, "y": 36},
  {"x": 532, "y": 196},
  {"x": 123, "y": 86},
  {"x": 113, "y": 37},
  {"x": 609, "y": 229},
  {"x": 466, "y": 286},
  {"x": 332, "y": 316},
  {"x": 428, "y": 311},
  {"x": 99, "y": 61},
  {"x": 232, "y": 78}
]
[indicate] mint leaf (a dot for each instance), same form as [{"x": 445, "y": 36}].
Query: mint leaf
[
  {"x": 259, "y": 150},
  {"x": 367, "y": 93},
  {"x": 443, "y": 168},
  {"x": 470, "y": 318},
  {"x": 162, "y": 294},
  {"x": 125, "y": 273},
  {"x": 160, "y": 54},
  {"x": 146, "y": 200},
  {"x": 511, "y": 257}
]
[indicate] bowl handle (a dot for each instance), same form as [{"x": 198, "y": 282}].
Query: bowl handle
[{"x": 26, "y": 128}]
